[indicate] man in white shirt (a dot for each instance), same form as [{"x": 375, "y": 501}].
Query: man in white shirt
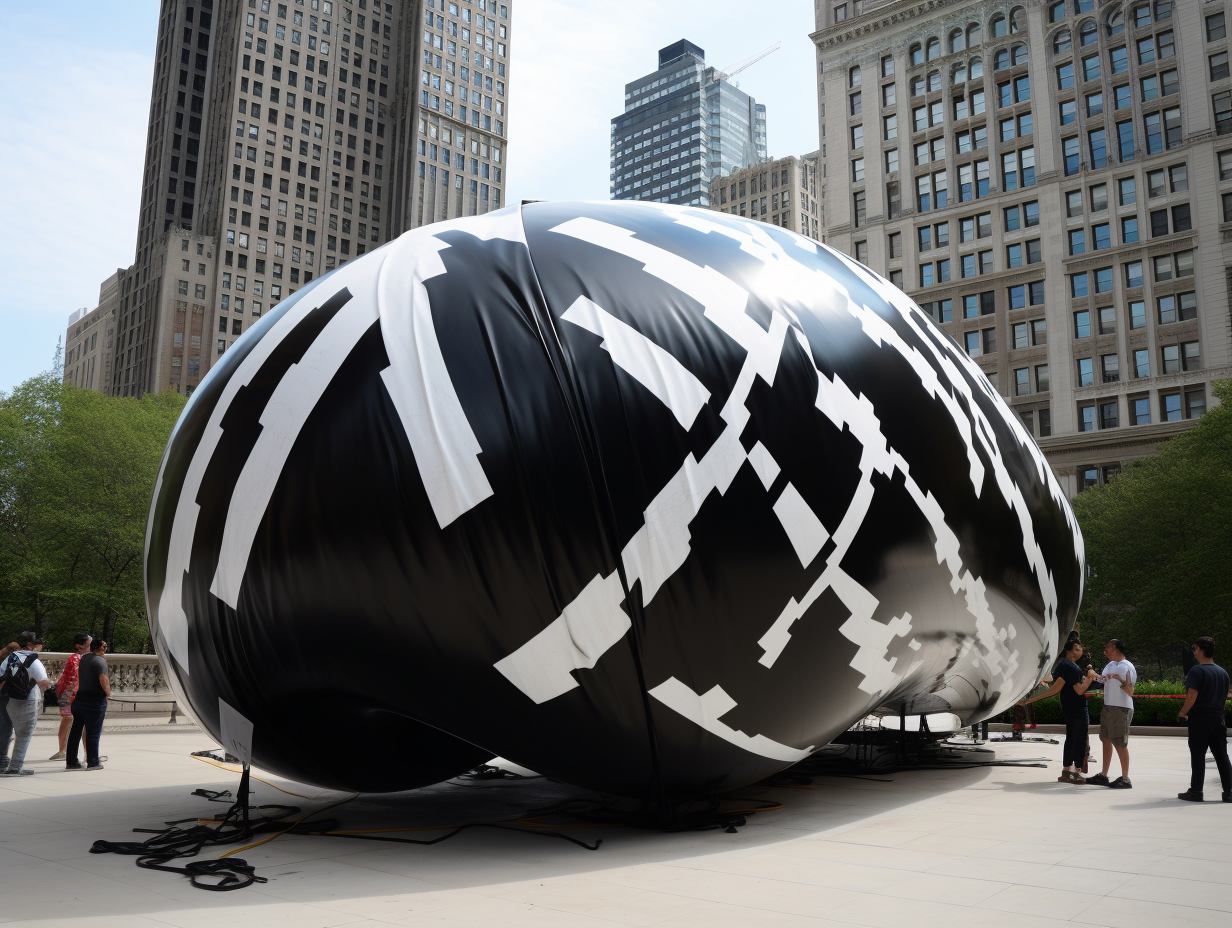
[
  {"x": 1119, "y": 677},
  {"x": 23, "y": 705}
]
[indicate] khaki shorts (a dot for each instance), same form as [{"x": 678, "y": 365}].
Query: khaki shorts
[{"x": 1114, "y": 725}]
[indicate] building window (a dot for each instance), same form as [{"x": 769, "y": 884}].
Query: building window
[
  {"x": 1195, "y": 402},
  {"x": 1086, "y": 372},
  {"x": 1222, "y": 103},
  {"x": 1140, "y": 410},
  {"x": 1022, "y": 381},
  {"x": 1073, "y": 155},
  {"x": 1042, "y": 384},
  {"x": 1191, "y": 358},
  {"x": 1108, "y": 415},
  {"x": 1110, "y": 369},
  {"x": 1086, "y": 420}
]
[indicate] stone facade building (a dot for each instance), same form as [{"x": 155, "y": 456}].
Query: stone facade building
[
  {"x": 1052, "y": 181},
  {"x": 89, "y": 341},
  {"x": 782, "y": 192},
  {"x": 288, "y": 136}
]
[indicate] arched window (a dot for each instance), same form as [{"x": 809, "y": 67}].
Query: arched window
[
  {"x": 958, "y": 41},
  {"x": 1088, "y": 34},
  {"x": 958, "y": 75},
  {"x": 1001, "y": 59},
  {"x": 1019, "y": 54},
  {"x": 973, "y": 35},
  {"x": 854, "y": 77},
  {"x": 975, "y": 68},
  {"x": 1018, "y": 19},
  {"x": 917, "y": 86},
  {"x": 934, "y": 81},
  {"x": 1084, "y": 6},
  {"x": 934, "y": 49},
  {"x": 1061, "y": 42},
  {"x": 1115, "y": 24},
  {"x": 916, "y": 54},
  {"x": 997, "y": 27},
  {"x": 1056, "y": 12}
]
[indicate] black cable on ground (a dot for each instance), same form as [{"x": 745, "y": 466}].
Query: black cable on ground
[{"x": 175, "y": 843}]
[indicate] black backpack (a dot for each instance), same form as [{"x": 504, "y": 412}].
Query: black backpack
[{"x": 17, "y": 682}]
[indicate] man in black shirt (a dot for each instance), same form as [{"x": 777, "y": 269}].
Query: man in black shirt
[
  {"x": 89, "y": 706},
  {"x": 1208, "y": 685},
  {"x": 1072, "y": 684}
]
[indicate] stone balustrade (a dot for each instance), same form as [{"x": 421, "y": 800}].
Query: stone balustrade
[{"x": 129, "y": 673}]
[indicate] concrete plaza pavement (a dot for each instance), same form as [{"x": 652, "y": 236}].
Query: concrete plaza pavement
[{"x": 996, "y": 846}]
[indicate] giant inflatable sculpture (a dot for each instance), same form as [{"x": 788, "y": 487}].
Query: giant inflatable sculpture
[{"x": 652, "y": 500}]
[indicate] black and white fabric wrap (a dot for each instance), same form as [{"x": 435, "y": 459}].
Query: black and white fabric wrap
[{"x": 650, "y": 499}]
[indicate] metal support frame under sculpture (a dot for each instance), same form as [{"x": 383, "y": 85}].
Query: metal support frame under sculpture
[{"x": 650, "y": 499}]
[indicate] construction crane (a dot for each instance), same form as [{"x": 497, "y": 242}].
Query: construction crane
[{"x": 733, "y": 70}]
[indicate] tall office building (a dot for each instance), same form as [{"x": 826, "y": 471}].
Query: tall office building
[
  {"x": 1033, "y": 175},
  {"x": 288, "y": 137},
  {"x": 683, "y": 125}
]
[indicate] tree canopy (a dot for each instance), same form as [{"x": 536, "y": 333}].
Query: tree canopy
[
  {"x": 77, "y": 472},
  {"x": 1159, "y": 546}
]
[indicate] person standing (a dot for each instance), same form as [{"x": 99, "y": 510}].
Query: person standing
[
  {"x": 23, "y": 677},
  {"x": 66, "y": 689},
  {"x": 6, "y": 724},
  {"x": 1072, "y": 684},
  {"x": 1119, "y": 677},
  {"x": 1208, "y": 688},
  {"x": 89, "y": 707}
]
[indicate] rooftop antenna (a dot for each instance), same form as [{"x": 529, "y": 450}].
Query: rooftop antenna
[{"x": 732, "y": 70}]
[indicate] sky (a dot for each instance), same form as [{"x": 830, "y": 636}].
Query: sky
[{"x": 72, "y": 148}]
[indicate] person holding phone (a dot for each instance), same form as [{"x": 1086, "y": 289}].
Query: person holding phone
[{"x": 1072, "y": 684}]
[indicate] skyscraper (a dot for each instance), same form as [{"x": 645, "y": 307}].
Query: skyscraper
[
  {"x": 1029, "y": 173},
  {"x": 288, "y": 137},
  {"x": 683, "y": 125}
]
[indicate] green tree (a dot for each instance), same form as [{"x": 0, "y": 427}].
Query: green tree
[
  {"x": 1159, "y": 545},
  {"x": 77, "y": 472}
]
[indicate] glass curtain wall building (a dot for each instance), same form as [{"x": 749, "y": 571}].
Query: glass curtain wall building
[{"x": 683, "y": 124}]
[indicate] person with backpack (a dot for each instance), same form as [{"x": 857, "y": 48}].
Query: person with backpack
[
  {"x": 23, "y": 678},
  {"x": 6, "y": 726}
]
